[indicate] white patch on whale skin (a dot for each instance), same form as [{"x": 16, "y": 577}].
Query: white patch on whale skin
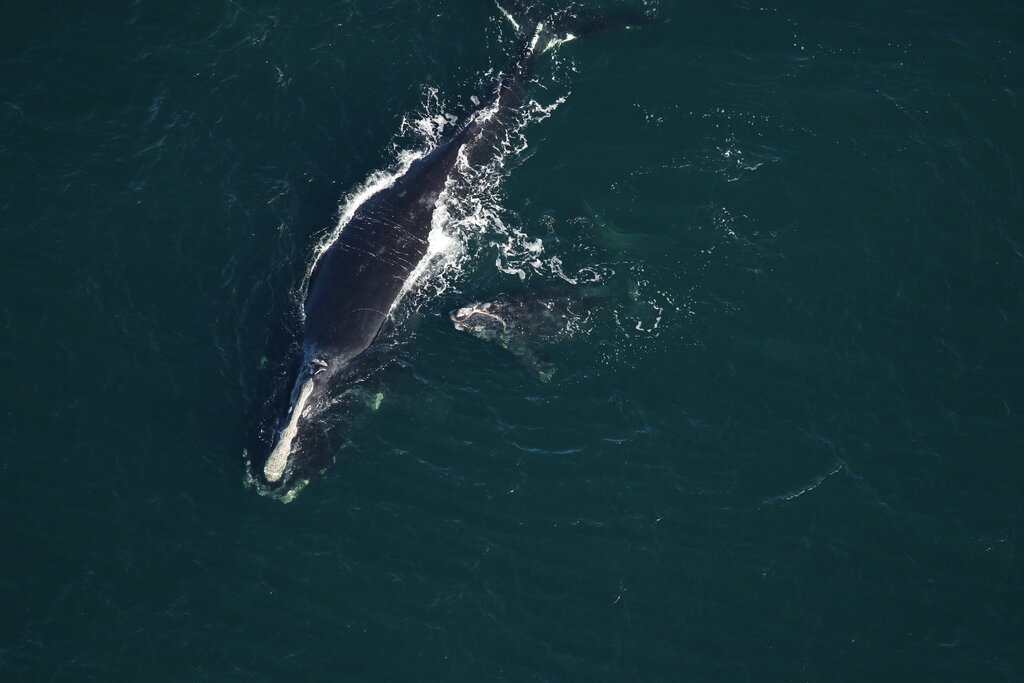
[
  {"x": 278, "y": 459},
  {"x": 465, "y": 313}
]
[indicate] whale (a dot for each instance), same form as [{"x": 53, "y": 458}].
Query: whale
[
  {"x": 357, "y": 280},
  {"x": 523, "y": 322}
]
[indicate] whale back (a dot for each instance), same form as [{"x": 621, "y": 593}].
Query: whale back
[{"x": 358, "y": 279}]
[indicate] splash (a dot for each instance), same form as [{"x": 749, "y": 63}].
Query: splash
[
  {"x": 472, "y": 231},
  {"x": 469, "y": 219}
]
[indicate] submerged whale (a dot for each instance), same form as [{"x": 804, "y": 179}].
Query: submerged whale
[
  {"x": 357, "y": 281},
  {"x": 520, "y": 323}
]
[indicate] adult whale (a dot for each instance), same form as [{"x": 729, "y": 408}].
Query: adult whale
[{"x": 359, "y": 278}]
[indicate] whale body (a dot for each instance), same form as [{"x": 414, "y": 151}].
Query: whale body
[{"x": 520, "y": 323}]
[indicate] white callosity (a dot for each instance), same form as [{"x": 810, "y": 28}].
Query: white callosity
[{"x": 278, "y": 459}]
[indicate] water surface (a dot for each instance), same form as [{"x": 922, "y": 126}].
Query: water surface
[{"x": 790, "y": 451}]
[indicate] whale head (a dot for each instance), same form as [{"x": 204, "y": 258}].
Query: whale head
[
  {"x": 299, "y": 445},
  {"x": 481, "y": 320}
]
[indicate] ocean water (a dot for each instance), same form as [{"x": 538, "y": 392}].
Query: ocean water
[{"x": 788, "y": 447}]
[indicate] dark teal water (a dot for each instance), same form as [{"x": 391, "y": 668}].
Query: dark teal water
[{"x": 789, "y": 450}]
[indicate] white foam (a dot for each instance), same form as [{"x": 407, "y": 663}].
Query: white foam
[
  {"x": 511, "y": 19},
  {"x": 555, "y": 43}
]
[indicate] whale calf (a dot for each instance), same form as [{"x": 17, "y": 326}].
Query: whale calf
[
  {"x": 357, "y": 280},
  {"x": 520, "y": 323}
]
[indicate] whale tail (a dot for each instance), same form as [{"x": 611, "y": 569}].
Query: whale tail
[
  {"x": 540, "y": 30},
  {"x": 549, "y": 28}
]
